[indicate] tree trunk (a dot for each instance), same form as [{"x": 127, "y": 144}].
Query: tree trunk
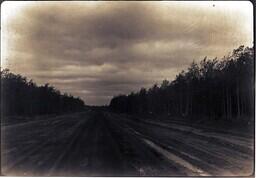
[
  {"x": 227, "y": 105},
  {"x": 238, "y": 101}
]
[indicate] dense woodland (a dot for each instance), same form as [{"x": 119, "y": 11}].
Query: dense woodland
[
  {"x": 213, "y": 88},
  {"x": 22, "y": 97}
]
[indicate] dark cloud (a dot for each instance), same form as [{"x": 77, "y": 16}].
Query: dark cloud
[{"x": 100, "y": 49}]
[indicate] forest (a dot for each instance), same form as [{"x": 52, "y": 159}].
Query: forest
[
  {"x": 25, "y": 98},
  {"x": 213, "y": 88}
]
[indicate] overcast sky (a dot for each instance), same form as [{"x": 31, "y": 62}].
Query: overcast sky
[{"x": 96, "y": 50}]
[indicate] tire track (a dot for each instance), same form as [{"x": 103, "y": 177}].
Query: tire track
[
  {"x": 28, "y": 152},
  {"x": 68, "y": 148},
  {"x": 145, "y": 159},
  {"x": 215, "y": 165},
  {"x": 204, "y": 136}
]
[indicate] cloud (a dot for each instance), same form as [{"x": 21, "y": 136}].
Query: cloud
[{"x": 107, "y": 48}]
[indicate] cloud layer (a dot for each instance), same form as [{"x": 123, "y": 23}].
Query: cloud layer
[{"x": 99, "y": 49}]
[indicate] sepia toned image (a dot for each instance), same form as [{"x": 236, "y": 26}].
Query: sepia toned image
[{"x": 127, "y": 88}]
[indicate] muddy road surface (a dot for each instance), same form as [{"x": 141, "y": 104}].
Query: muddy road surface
[{"x": 96, "y": 143}]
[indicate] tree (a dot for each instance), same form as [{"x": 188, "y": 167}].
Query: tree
[
  {"x": 22, "y": 97},
  {"x": 216, "y": 89}
]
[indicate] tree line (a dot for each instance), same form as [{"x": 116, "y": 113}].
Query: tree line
[
  {"x": 22, "y": 97},
  {"x": 211, "y": 88}
]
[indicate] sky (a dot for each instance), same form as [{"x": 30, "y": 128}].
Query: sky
[{"x": 97, "y": 50}]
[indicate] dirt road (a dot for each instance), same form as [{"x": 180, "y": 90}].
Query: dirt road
[{"x": 106, "y": 144}]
